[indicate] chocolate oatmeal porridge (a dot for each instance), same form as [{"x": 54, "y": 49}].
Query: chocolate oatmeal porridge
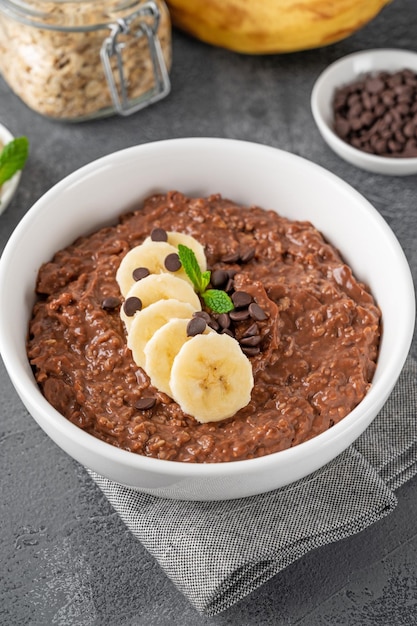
[{"x": 309, "y": 329}]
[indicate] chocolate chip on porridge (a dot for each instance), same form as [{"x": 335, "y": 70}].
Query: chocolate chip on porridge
[
  {"x": 139, "y": 273},
  {"x": 159, "y": 234},
  {"x": 132, "y": 305},
  {"x": 172, "y": 262},
  {"x": 196, "y": 326}
]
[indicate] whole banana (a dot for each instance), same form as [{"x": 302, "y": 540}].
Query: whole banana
[{"x": 272, "y": 26}]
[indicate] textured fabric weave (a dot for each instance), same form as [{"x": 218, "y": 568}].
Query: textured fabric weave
[{"x": 218, "y": 552}]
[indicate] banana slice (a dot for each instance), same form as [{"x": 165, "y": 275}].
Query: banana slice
[
  {"x": 159, "y": 287},
  {"x": 174, "y": 239},
  {"x": 211, "y": 378},
  {"x": 161, "y": 350},
  {"x": 150, "y": 255},
  {"x": 147, "y": 322}
]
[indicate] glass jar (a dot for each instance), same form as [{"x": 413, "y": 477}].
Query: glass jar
[{"x": 78, "y": 59}]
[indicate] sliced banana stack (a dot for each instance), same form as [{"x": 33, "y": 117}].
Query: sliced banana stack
[
  {"x": 147, "y": 322},
  {"x": 207, "y": 374}
]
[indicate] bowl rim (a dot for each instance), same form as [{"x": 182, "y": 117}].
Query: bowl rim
[
  {"x": 332, "y": 71},
  {"x": 20, "y": 376}
]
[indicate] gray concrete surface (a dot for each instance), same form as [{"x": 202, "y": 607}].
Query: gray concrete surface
[{"x": 65, "y": 556}]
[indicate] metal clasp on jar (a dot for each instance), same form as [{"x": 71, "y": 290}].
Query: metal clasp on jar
[{"x": 142, "y": 23}]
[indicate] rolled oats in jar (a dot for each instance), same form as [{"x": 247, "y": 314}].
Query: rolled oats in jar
[{"x": 79, "y": 59}]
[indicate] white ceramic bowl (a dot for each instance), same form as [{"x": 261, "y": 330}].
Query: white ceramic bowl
[
  {"x": 248, "y": 173},
  {"x": 345, "y": 71},
  {"x": 8, "y": 189}
]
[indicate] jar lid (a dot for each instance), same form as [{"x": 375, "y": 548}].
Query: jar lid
[{"x": 72, "y": 15}]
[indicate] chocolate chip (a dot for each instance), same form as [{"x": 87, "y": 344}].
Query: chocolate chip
[
  {"x": 227, "y": 331},
  {"x": 251, "y": 351},
  {"x": 214, "y": 324},
  {"x": 239, "y": 316},
  {"x": 255, "y": 340},
  {"x": 233, "y": 257},
  {"x": 230, "y": 285},
  {"x": 203, "y": 314},
  {"x": 252, "y": 330},
  {"x": 132, "y": 305},
  {"x": 196, "y": 326},
  {"x": 256, "y": 312},
  {"x": 140, "y": 272},
  {"x": 219, "y": 278},
  {"x": 159, "y": 234},
  {"x": 241, "y": 299},
  {"x": 342, "y": 127},
  {"x": 409, "y": 130},
  {"x": 143, "y": 404},
  {"x": 224, "y": 320},
  {"x": 110, "y": 303},
  {"x": 172, "y": 262},
  {"x": 374, "y": 85},
  {"x": 247, "y": 255}
]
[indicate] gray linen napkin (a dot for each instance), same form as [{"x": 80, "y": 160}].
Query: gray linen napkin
[{"x": 218, "y": 552}]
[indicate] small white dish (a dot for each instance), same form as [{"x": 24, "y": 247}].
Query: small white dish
[
  {"x": 8, "y": 189},
  {"x": 345, "y": 71}
]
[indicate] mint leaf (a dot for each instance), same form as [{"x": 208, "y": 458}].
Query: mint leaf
[
  {"x": 13, "y": 158},
  {"x": 191, "y": 267},
  {"x": 217, "y": 300},
  {"x": 205, "y": 279}
]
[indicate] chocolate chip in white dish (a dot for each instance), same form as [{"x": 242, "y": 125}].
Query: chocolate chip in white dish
[{"x": 378, "y": 114}]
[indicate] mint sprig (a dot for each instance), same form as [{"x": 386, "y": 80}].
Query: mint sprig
[
  {"x": 215, "y": 299},
  {"x": 13, "y": 158}
]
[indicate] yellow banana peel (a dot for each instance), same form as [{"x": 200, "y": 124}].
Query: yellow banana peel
[{"x": 272, "y": 26}]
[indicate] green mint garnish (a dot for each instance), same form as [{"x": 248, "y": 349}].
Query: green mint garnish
[
  {"x": 13, "y": 158},
  {"x": 190, "y": 264},
  {"x": 216, "y": 299}
]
